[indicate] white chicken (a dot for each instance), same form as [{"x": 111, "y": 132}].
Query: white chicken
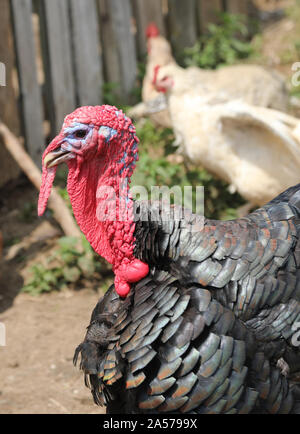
[
  {"x": 154, "y": 103},
  {"x": 255, "y": 149},
  {"x": 253, "y": 84}
]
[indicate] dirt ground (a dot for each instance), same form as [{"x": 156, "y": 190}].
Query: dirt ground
[
  {"x": 36, "y": 370},
  {"x": 37, "y": 374}
]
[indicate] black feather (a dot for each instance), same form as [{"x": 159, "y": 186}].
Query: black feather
[{"x": 204, "y": 330}]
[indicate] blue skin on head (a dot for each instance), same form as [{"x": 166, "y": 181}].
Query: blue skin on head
[
  {"x": 72, "y": 140},
  {"x": 107, "y": 132}
]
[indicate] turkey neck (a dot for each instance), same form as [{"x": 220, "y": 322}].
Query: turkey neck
[{"x": 101, "y": 202}]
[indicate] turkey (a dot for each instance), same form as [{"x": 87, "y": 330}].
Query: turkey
[
  {"x": 252, "y": 84},
  {"x": 201, "y": 311}
]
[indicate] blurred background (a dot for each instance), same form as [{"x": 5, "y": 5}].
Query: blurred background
[{"x": 61, "y": 54}]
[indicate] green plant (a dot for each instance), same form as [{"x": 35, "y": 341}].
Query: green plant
[
  {"x": 28, "y": 212},
  {"x": 111, "y": 93},
  {"x": 11, "y": 241},
  {"x": 66, "y": 266},
  {"x": 43, "y": 280},
  {"x": 224, "y": 44},
  {"x": 156, "y": 168}
]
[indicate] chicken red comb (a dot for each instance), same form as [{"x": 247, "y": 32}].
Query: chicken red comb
[{"x": 152, "y": 30}]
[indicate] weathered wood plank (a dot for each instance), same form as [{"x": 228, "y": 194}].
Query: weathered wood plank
[
  {"x": 111, "y": 64},
  {"x": 9, "y": 112},
  {"x": 145, "y": 12},
  {"x": 60, "y": 76},
  {"x": 182, "y": 24},
  {"x": 120, "y": 12},
  {"x": 237, "y": 6},
  {"x": 208, "y": 12},
  {"x": 30, "y": 92},
  {"x": 86, "y": 51}
]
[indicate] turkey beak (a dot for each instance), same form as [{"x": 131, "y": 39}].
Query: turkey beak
[{"x": 57, "y": 157}]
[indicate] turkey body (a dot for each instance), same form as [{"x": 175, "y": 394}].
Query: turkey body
[{"x": 202, "y": 333}]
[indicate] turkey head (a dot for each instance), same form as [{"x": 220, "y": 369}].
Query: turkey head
[{"x": 100, "y": 147}]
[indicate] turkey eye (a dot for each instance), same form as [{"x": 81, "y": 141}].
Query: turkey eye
[{"x": 80, "y": 134}]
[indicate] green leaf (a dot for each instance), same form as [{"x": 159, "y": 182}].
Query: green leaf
[
  {"x": 68, "y": 242},
  {"x": 224, "y": 44},
  {"x": 87, "y": 266},
  {"x": 68, "y": 257},
  {"x": 71, "y": 274},
  {"x": 50, "y": 277}
]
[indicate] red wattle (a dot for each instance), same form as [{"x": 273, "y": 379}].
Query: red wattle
[
  {"x": 129, "y": 273},
  {"x": 122, "y": 288},
  {"x": 133, "y": 272}
]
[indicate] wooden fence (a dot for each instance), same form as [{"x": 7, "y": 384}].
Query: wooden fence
[{"x": 66, "y": 49}]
